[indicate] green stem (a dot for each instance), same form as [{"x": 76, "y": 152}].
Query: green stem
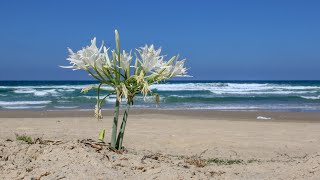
[
  {"x": 105, "y": 98},
  {"x": 123, "y": 127},
  {"x": 116, "y": 71},
  {"x": 94, "y": 75},
  {"x": 115, "y": 124},
  {"x": 103, "y": 79},
  {"x": 108, "y": 76},
  {"x": 99, "y": 93}
]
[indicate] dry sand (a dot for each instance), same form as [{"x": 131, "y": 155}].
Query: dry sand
[{"x": 163, "y": 145}]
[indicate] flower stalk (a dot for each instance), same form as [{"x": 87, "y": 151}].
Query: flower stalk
[
  {"x": 123, "y": 127},
  {"x": 115, "y": 124}
]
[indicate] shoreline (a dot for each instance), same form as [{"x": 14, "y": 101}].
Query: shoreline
[{"x": 196, "y": 114}]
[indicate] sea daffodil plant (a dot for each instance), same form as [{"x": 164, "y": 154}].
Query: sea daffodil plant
[{"x": 126, "y": 78}]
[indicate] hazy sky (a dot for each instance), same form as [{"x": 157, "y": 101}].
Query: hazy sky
[{"x": 222, "y": 40}]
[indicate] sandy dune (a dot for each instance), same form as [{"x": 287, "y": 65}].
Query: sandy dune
[{"x": 164, "y": 145}]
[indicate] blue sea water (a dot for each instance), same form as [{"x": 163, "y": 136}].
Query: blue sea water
[{"x": 217, "y": 95}]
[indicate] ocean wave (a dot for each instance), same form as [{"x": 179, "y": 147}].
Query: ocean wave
[
  {"x": 216, "y": 88},
  {"x": 311, "y": 97},
  {"x": 78, "y": 99},
  {"x": 216, "y": 99},
  {"x": 37, "y": 92},
  {"x": 52, "y": 87},
  {"x": 258, "y": 86},
  {"x": 108, "y": 99},
  {"x": 179, "y": 96},
  {"x": 228, "y": 107},
  {"x": 264, "y": 92},
  {"x": 66, "y": 90},
  {"x": 45, "y": 90},
  {"x": 112, "y": 100},
  {"x": 212, "y": 107},
  {"x": 6, "y": 103},
  {"x": 66, "y": 107},
  {"x": 198, "y": 95},
  {"x": 25, "y": 91},
  {"x": 23, "y": 107},
  {"x": 62, "y": 101},
  {"x": 230, "y": 87},
  {"x": 245, "y": 107},
  {"x": 46, "y": 87},
  {"x": 89, "y": 97}
]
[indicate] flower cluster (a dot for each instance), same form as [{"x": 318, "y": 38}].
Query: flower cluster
[{"x": 118, "y": 71}]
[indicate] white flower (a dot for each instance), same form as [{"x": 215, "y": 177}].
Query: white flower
[
  {"x": 176, "y": 69},
  {"x": 100, "y": 62},
  {"x": 145, "y": 89},
  {"x": 106, "y": 56},
  {"x": 150, "y": 58},
  {"x": 103, "y": 60},
  {"x": 90, "y": 54},
  {"x": 122, "y": 91},
  {"x": 75, "y": 61},
  {"x": 125, "y": 60},
  {"x": 86, "y": 57}
]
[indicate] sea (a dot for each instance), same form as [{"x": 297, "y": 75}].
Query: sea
[{"x": 298, "y": 96}]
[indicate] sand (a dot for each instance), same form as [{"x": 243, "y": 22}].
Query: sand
[{"x": 162, "y": 145}]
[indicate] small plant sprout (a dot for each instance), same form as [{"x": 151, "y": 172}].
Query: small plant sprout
[
  {"x": 101, "y": 135},
  {"x": 24, "y": 138},
  {"x": 124, "y": 74}
]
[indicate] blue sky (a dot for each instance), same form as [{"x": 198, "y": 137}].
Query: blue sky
[{"x": 222, "y": 40}]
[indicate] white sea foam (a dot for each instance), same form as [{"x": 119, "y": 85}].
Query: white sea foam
[
  {"x": 89, "y": 97},
  {"x": 311, "y": 97},
  {"x": 24, "y": 107},
  {"x": 51, "y": 87},
  {"x": 46, "y": 92},
  {"x": 111, "y": 100},
  {"x": 25, "y": 91},
  {"x": 61, "y": 101},
  {"x": 226, "y": 107},
  {"x": 65, "y": 107},
  {"x": 66, "y": 90},
  {"x": 265, "y": 92},
  {"x": 53, "y": 90},
  {"x": 12, "y": 103},
  {"x": 238, "y": 88},
  {"x": 46, "y": 87},
  {"x": 37, "y": 92},
  {"x": 264, "y": 118},
  {"x": 178, "y": 96},
  {"x": 113, "y": 96}
]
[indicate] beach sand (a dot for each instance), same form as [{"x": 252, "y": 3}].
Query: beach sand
[{"x": 163, "y": 144}]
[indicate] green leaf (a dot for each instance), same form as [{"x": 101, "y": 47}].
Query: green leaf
[{"x": 101, "y": 135}]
